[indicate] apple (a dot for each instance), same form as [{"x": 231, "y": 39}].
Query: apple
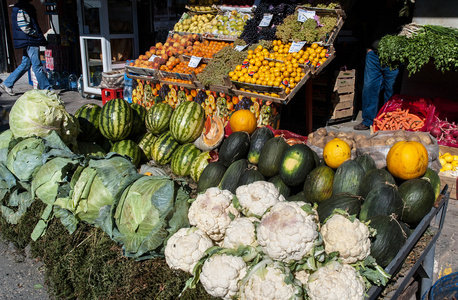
[
  {"x": 169, "y": 52},
  {"x": 165, "y": 57},
  {"x": 159, "y": 45}
]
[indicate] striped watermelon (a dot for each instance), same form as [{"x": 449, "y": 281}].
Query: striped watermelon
[
  {"x": 187, "y": 122},
  {"x": 88, "y": 118},
  {"x": 146, "y": 144},
  {"x": 129, "y": 148},
  {"x": 182, "y": 159},
  {"x": 115, "y": 121},
  {"x": 163, "y": 148},
  {"x": 199, "y": 165},
  {"x": 158, "y": 118},
  {"x": 139, "y": 115}
]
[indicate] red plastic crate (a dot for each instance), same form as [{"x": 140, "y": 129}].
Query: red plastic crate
[{"x": 109, "y": 94}]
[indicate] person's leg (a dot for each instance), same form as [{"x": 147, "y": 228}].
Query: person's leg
[
  {"x": 37, "y": 67},
  {"x": 371, "y": 88},
  {"x": 389, "y": 78},
  {"x": 20, "y": 70}
]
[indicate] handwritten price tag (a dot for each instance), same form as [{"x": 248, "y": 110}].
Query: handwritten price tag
[
  {"x": 240, "y": 48},
  {"x": 266, "y": 20},
  {"x": 304, "y": 15},
  {"x": 152, "y": 57},
  {"x": 296, "y": 46},
  {"x": 194, "y": 61}
]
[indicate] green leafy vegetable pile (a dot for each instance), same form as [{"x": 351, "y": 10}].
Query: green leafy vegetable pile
[{"x": 418, "y": 45}]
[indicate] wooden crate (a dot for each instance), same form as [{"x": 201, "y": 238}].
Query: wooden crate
[
  {"x": 446, "y": 177},
  {"x": 342, "y": 113}
]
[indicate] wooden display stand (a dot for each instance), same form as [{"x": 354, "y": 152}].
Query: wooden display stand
[{"x": 446, "y": 177}]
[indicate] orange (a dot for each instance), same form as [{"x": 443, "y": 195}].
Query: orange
[{"x": 243, "y": 120}]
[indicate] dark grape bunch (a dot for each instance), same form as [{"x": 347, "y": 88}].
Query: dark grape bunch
[
  {"x": 164, "y": 90},
  {"x": 200, "y": 97},
  {"x": 245, "y": 103},
  {"x": 252, "y": 33}
]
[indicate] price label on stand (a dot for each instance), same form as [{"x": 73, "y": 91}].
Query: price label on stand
[
  {"x": 304, "y": 15},
  {"x": 240, "y": 48},
  {"x": 152, "y": 57},
  {"x": 266, "y": 20},
  {"x": 194, "y": 61},
  {"x": 296, "y": 46}
]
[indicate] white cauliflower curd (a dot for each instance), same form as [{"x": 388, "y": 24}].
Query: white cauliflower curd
[
  {"x": 287, "y": 232},
  {"x": 269, "y": 280},
  {"x": 257, "y": 197},
  {"x": 221, "y": 273},
  {"x": 212, "y": 212},
  {"x": 241, "y": 231},
  {"x": 185, "y": 248},
  {"x": 350, "y": 238},
  {"x": 335, "y": 281}
]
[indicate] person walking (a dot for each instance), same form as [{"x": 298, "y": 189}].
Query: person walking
[
  {"x": 28, "y": 36},
  {"x": 384, "y": 20}
]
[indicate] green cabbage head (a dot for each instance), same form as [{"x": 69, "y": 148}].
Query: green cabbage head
[{"x": 37, "y": 112}]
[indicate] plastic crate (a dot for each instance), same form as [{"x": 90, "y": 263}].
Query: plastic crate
[{"x": 109, "y": 94}]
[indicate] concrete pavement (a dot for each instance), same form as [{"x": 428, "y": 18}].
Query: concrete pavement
[{"x": 445, "y": 261}]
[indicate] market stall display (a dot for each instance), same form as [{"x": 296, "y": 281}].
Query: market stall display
[{"x": 287, "y": 179}]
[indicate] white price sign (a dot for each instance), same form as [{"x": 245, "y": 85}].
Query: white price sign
[
  {"x": 152, "y": 57},
  {"x": 194, "y": 61},
  {"x": 266, "y": 20},
  {"x": 296, "y": 46},
  {"x": 304, "y": 15},
  {"x": 240, "y": 48}
]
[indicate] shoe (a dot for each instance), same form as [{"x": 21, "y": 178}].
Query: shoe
[
  {"x": 7, "y": 90},
  {"x": 361, "y": 126}
]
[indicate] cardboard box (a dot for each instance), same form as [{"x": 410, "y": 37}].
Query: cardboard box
[
  {"x": 342, "y": 113},
  {"x": 446, "y": 177}
]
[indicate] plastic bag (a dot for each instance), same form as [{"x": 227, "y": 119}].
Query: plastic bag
[
  {"x": 422, "y": 107},
  {"x": 379, "y": 153}
]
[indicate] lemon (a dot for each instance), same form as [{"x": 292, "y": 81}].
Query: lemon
[
  {"x": 455, "y": 157},
  {"x": 442, "y": 161},
  {"x": 448, "y": 158},
  {"x": 454, "y": 164},
  {"x": 447, "y": 167}
]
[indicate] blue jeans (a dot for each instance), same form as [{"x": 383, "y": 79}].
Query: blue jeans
[
  {"x": 30, "y": 57},
  {"x": 376, "y": 77}
]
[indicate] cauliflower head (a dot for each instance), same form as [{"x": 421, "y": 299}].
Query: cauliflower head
[
  {"x": 257, "y": 197},
  {"x": 271, "y": 280},
  {"x": 185, "y": 248},
  {"x": 212, "y": 212},
  {"x": 350, "y": 238},
  {"x": 221, "y": 273},
  {"x": 287, "y": 232},
  {"x": 241, "y": 231},
  {"x": 335, "y": 281}
]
